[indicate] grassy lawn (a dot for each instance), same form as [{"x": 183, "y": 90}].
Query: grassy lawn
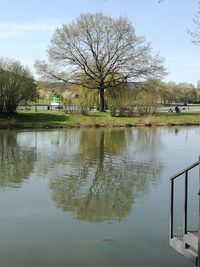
[
  {"x": 44, "y": 119},
  {"x": 186, "y": 117}
]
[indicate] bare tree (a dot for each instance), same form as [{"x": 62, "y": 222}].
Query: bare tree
[
  {"x": 196, "y": 33},
  {"x": 99, "y": 52}
]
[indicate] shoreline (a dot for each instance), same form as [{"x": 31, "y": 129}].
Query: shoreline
[
  {"x": 58, "y": 119},
  {"x": 79, "y": 126}
]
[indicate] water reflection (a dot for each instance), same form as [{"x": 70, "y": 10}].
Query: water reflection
[
  {"x": 95, "y": 173},
  {"x": 111, "y": 168},
  {"x": 99, "y": 175},
  {"x": 16, "y": 162}
]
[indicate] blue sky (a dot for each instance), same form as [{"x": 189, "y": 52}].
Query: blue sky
[{"x": 26, "y": 28}]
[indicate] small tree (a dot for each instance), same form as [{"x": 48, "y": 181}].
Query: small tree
[
  {"x": 88, "y": 98},
  {"x": 17, "y": 85},
  {"x": 121, "y": 100},
  {"x": 148, "y": 99},
  {"x": 188, "y": 93},
  {"x": 97, "y": 47}
]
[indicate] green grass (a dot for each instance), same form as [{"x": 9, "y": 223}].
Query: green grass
[
  {"x": 186, "y": 117},
  {"x": 50, "y": 119}
]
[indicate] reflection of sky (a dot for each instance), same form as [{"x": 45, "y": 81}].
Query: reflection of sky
[
  {"x": 34, "y": 232},
  {"x": 180, "y": 147},
  {"x": 36, "y": 205},
  {"x": 46, "y": 141},
  {"x": 26, "y": 139},
  {"x": 183, "y": 140},
  {"x": 143, "y": 143}
]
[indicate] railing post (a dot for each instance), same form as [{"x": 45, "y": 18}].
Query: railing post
[
  {"x": 171, "y": 229},
  {"x": 198, "y": 259},
  {"x": 185, "y": 250},
  {"x": 185, "y": 204}
]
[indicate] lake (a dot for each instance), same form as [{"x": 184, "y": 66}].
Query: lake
[{"x": 92, "y": 197}]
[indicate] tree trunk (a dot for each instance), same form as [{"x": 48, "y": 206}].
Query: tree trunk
[
  {"x": 11, "y": 108},
  {"x": 102, "y": 97}
]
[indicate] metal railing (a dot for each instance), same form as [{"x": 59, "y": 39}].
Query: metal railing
[{"x": 185, "y": 214}]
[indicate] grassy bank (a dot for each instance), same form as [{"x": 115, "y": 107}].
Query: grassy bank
[{"x": 51, "y": 119}]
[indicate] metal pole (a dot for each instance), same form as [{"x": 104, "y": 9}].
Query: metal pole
[
  {"x": 198, "y": 259},
  {"x": 171, "y": 229},
  {"x": 185, "y": 204}
]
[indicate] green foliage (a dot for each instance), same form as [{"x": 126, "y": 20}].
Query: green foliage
[
  {"x": 88, "y": 98},
  {"x": 14, "y": 154},
  {"x": 178, "y": 93},
  {"x": 125, "y": 112},
  {"x": 85, "y": 112},
  {"x": 121, "y": 111},
  {"x": 17, "y": 85},
  {"x": 146, "y": 104},
  {"x": 148, "y": 97},
  {"x": 143, "y": 99},
  {"x": 121, "y": 101},
  {"x": 113, "y": 111},
  {"x": 68, "y": 99}
]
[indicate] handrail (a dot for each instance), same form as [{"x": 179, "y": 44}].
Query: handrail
[
  {"x": 186, "y": 169},
  {"x": 185, "y": 207}
]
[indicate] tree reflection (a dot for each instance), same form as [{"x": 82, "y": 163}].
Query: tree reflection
[
  {"x": 15, "y": 162},
  {"x": 105, "y": 177}
]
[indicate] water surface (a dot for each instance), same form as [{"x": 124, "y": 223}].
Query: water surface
[{"x": 92, "y": 197}]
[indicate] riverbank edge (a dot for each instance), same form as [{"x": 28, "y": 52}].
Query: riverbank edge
[
  {"x": 100, "y": 125},
  {"x": 58, "y": 119}
]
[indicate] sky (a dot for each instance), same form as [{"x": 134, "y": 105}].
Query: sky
[{"x": 27, "y": 27}]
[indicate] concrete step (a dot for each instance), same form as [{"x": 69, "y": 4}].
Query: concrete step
[
  {"x": 191, "y": 240},
  {"x": 178, "y": 243}
]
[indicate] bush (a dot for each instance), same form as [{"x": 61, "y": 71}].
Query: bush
[
  {"x": 113, "y": 111},
  {"x": 125, "y": 112},
  {"x": 85, "y": 112},
  {"x": 121, "y": 111}
]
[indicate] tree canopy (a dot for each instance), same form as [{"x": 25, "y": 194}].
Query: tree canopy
[
  {"x": 105, "y": 51},
  {"x": 16, "y": 85}
]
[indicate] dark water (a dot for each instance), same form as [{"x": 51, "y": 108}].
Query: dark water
[{"x": 91, "y": 197}]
